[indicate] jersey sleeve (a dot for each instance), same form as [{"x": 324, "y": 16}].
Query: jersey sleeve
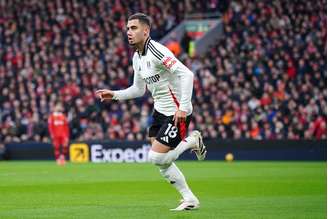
[
  {"x": 137, "y": 89},
  {"x": 165, "y": 59}
]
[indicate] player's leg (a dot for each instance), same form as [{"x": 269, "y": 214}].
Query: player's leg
[
  {"x": 61, "y": 142},
  {"x": 152, "y": 139},
  {"x": 56, "y": 145},
  {"x": 200, "y": 149},
  {"x": 163, "y": 156},
  {"x": 170, "y": 141},
  {"x": 65, "y": 149},
  {"x": 166, "y": 139},
  {"x": 164, "y": 153},
  {"x": 176, "y": 178}
]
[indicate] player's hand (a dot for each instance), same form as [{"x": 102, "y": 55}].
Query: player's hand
[
  {"x": 179, "y": 116},
  {"x": 104, "y": 94}
]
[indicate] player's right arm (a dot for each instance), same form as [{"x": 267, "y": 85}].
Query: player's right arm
[{"x": 137, "y": 89}]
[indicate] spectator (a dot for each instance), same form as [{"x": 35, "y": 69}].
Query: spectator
[
  {"x": 269, "y": 67},
  {"x": 2, "y": 151}
]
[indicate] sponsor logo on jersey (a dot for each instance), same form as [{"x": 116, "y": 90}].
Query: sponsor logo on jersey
[
  {"x": 58, "y": 122},
  {"x": 169, "y": 62},
  {"x": 152, "y": 79}
]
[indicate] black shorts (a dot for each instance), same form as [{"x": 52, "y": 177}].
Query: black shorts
[{"x": 164, "y": 130}]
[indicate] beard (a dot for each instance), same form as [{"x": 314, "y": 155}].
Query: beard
[{"x": 133, "y": 45}]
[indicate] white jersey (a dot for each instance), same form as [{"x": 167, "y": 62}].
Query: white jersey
[{"x": 169, "y": 81}]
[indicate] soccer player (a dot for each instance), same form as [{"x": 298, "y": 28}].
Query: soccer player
[
  {"x": 170, "y": 83},
  {"x": 59, "y": 133}
]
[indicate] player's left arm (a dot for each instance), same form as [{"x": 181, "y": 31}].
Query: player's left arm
[
  {"x": 66, "y": 125},
  {"x": 186, "y": 83},
  {"x": 174, "y": 66}
]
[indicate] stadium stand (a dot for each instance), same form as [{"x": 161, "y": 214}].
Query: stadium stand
[{"x": 266, "y": 78}]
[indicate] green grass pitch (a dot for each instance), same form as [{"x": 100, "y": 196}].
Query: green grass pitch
[{"x": 226, "y": 190}]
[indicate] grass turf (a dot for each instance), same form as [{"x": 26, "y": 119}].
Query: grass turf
[{"x": 226, "y": 190}]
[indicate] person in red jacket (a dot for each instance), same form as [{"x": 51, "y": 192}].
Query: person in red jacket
[{"x": 59, "y": 133}]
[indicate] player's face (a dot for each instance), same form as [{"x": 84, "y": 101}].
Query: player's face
[
  {"x": 58, "y": 108},
  {"x": 136, "y": 31}
]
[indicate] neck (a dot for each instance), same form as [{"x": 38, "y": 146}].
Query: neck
[{"x": 140, "y": 46}]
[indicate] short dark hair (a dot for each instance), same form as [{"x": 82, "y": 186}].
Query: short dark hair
[{"x": 141, "y": 17}]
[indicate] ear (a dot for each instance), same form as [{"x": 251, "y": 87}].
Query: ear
[{"x": 146, "y": 30}]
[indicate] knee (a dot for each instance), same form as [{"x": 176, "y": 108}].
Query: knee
[{"x": 157, "y": 158}]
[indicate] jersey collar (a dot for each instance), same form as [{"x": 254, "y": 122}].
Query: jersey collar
[{"x": 144, "y": 52}]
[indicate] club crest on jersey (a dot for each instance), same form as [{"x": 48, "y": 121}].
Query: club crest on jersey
[{"x": 152, "y": 79}]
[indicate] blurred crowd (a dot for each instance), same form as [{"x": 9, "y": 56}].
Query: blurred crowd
[{"x": 266, "y": 78}]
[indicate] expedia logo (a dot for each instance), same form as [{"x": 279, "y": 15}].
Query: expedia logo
[
  {"x": 79, "y": 153},
  {"x": 152, "y": 79},
  {"x": 100, "y": 154}
]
